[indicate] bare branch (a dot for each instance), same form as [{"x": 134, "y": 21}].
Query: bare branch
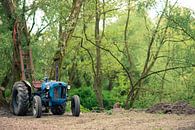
[
  {"x": 110, "y": 10},
  {"x": 168, "y": 69},
  {"x": 157, "y": 52},
  {"x": 39, "y": 31},
  {"x": 33, "y": 24},
  {"x": 145, "y": 21},
  {"x": 177, "y": 40},
  {"x": 153, "y": 39},
  {"x": 89, "y": 53},
  {"x": 119, "y": 48},
  {"x": 107, "y": 50}
]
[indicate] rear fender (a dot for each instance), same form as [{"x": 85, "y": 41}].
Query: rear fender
[{"x": 28, "y": 85}]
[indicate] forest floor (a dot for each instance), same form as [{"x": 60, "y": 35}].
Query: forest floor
[{"x": 117, "y": 119}]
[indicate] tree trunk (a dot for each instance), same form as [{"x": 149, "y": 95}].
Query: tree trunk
[
  {"x": 131, "y": 66},
  {"x": 97, "y": 77},
  {"x": 110, "y": 84},
  {"x": 65, "y": 36}
]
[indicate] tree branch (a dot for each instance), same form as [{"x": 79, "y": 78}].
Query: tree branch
[
  {"x": 89, "y": 53},
  {"x": 153, "y": 39},
  {"x": 181, "y": 28},
  {"x": 110, "y": 10},
  {"x": 160, "y": 71},
  {"x": 107, "y": 50},
  {"x": 39, "y": 31},
  {"x": 33, "y": 24}
]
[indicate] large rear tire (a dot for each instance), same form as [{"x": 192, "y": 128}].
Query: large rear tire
[
  {"x": 20, "y": 99},
  {"x": 37, "y": 107},
  {"x": 58, "y": 110},
  {"x": 75, "y": 105}
]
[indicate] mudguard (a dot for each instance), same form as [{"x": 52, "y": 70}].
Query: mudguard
[{"x": 29, "y": 87}]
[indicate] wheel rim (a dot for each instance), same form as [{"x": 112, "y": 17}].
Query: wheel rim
[
  {"x": 34, "y": 107},
  {"x": 17, "y": 99}
]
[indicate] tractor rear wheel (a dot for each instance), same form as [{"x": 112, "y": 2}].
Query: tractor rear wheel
[
  {"x": 20, "y": 99},
  {"x": 75, "y": 105},
  {"x": 58, "y": 110},
  {"x": 37, "y": 107}
]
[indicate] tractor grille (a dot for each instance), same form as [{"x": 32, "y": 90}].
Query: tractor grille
[{"x": 58, "y": 95}]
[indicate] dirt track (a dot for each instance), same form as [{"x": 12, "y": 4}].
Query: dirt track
[{"x": 118, "y": 120}]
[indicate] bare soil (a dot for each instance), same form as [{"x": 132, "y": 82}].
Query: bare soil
[{"x": 117, "y": 119}]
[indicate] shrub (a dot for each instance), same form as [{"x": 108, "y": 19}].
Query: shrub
[{"x": 87, "y": 97}]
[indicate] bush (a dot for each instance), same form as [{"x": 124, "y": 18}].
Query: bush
[
  {"x": 83, "y": 109},
  {"x": 145, "y": 101},
  {"x": 87, "y": 97},
  {"x": 108, "y": 99}
]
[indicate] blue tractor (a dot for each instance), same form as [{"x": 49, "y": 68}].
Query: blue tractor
[
  {"x": 53, "y": 95},
  {"x": 49, "y": 95}
]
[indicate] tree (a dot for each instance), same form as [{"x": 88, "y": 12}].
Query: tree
[
  {"x": 65, "y": 35},
  {"x": 15, "y": 12}
]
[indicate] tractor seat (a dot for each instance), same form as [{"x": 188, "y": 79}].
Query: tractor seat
[{"x": 37, "y": 84}]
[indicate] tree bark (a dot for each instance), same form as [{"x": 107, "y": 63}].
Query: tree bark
[
  {"x": 97, "y": 77},
  {"x": 65, "y": 36}
]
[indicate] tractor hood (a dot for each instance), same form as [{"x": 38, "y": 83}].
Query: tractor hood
[{"x": 53, "y": 84}]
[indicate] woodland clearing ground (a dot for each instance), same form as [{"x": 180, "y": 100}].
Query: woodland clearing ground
[{"x": 117, "y": 120}]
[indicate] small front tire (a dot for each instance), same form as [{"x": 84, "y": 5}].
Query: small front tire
[
  {"x": 75, "y": 105},
  {"x": 37, "y": 107}
]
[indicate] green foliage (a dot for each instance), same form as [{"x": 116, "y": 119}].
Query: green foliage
[
  {"x": 87, "y": 97},
  {"x": 7, "y": 93},
  {"x": 82, "y": 108},
  {"x": 108, "y": 99},
  {"x": 146, "y": 101},
  {"x": 88, "y": 100}
]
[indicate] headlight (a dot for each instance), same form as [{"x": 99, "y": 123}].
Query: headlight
[
  {"x": 68, "y": 87},
  {"x": 47, "y": 86}
]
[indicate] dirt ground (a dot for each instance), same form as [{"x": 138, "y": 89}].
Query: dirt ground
[{"x": 113, "y": 120}]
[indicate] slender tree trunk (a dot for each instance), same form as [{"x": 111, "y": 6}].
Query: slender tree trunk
[
  {"x": 163, "y": 80},
  {"x": 110, "y": 84},
  {"x": 66, "y": 35},
  {"x": 97, "y": 76},
  {"x": 73, "y": 71},
  {"x": 131, "y": 65}
]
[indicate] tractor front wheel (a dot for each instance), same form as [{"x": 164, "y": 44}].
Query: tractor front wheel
[
  {"x": 37, "y": 107},
  {"x": 75, "y": 105}
]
